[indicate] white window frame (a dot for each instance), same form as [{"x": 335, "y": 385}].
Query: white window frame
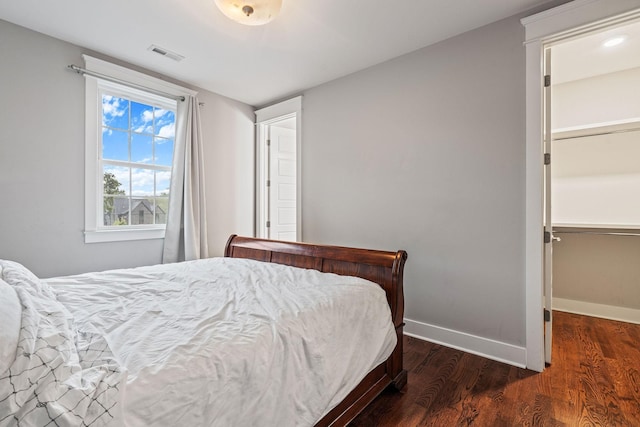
[{"x": 94, "y": 231}]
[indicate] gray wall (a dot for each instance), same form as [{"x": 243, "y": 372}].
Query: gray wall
[
  {"x": 42, "y": 163},
  {"x": 427, "y": 153},
  {"x": 599, "y": 269}
]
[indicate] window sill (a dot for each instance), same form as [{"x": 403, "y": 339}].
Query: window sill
[{"x": 100, "y": 236}]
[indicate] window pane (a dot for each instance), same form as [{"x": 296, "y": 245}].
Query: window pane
[
  {"x": 116, "y": 210},
  {"x": 115, "y": 144},
  {"x": 165, "y": 123},
  {"x": 115, "y": 180},
  {"x": 141, "y": 118},
  {"x": 163, "y": 182},
  {"x": 141, "y": 148},
  {"x": 142, "y": 182},
  {"x": 115, "y": 112},
  {"x": 162, "y": 207},
  {"x": 164, "y": 151}
]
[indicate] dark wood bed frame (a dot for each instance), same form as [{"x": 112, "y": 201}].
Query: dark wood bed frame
[{"x": 384, "y": 268}]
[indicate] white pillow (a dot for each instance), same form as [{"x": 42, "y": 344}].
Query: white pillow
[{"x": 10, "y": 321}]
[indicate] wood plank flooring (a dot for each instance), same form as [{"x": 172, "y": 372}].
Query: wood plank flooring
[{"x": 594, "y": 381}]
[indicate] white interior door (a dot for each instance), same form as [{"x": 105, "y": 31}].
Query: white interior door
[
  {"x": 548, "y": 230},
  {"x": 278, "y": 166},
  {"x": 282, "y": 182}
]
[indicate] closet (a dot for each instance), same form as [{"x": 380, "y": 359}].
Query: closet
[{"x": 595, "y": 167}]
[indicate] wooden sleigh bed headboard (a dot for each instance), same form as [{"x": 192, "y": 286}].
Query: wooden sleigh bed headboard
[{"x": 384, "y": 268}]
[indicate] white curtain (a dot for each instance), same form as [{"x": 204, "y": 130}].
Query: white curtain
[{"x": 186, "y": 233}]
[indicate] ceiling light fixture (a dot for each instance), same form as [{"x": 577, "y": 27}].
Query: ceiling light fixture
[
  {"x": 250, "y": 12},
  {"x": 614, "y": 41}
]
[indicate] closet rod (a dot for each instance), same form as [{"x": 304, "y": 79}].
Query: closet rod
[
  {"x": 602, "y": 233},
  {"x": 597, "y": 134},
  {"x": 83, "y": 71}
]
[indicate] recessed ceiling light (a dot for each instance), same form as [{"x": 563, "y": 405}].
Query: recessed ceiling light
[{"x": 614, "y": 41}]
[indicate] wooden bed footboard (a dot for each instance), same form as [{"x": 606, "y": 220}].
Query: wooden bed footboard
[{"x": 384, "y": 268}]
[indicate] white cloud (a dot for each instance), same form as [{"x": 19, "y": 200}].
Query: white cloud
[
  {"x": 160, "y": 112},
  {"x": 163, "y": 175},
  {"x": 112, "y": 108},
  {"x": 168, "y": 131},
  {"x": 144, "y": 129},
  {"x": 163, "y": 181},
  {"x": 142, "y": 180},
  {"x": 144, "y": 121},
  {"x": 147, "y": 116}
]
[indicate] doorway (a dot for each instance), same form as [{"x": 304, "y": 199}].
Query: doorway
[
  {"x": 278, "y": 171},
  {"x": 592, "y": 176},
  {"x": 542, "y": 30},
  {"x": 596, "y": 173}
]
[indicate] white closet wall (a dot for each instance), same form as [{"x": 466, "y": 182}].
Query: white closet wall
[{"x": 595, "y": 193}]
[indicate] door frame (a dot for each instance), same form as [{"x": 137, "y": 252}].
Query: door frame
[
  {"x": 560, "y": 23},
  {"x": 547, "y": 289},
  {"x": 264, "y": 118}
]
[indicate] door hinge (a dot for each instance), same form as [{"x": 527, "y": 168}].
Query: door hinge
[
  {"x": 547, "y": 158},
  {"x": 268, "y": 183},
  {"x": 547, "y": 315},
  {"x": 547, "y": 80},
  {"x": 268, "y": 224},
  {"x": 547, "y": 237},
  {"x": 268, "y": 142}
]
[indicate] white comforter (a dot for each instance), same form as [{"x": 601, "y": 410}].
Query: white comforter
[
  {"x": 231, "y": 342},
  {"x": 60, "y": 376}
]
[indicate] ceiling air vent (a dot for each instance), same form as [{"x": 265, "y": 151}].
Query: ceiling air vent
[{"x": 164, "y": 52}]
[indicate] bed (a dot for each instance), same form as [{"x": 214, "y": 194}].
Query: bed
[{"x": 160, "y": 346}]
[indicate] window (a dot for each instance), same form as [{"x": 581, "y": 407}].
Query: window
[
  {"x": 130, "y": 137},
  {"x": 137, "y": 139}
]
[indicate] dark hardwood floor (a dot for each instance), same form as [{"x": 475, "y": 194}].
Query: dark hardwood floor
[{"x": 594, "y": 380}]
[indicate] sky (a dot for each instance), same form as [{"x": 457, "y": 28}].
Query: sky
[{"x": 140, "y": 133}]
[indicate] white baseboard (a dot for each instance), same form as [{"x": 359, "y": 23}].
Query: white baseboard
[
  {"x": 491, "y": 349},
  {"x": 604, "y": 311}
]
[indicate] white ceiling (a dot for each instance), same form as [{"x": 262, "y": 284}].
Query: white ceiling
[
  {"x": 309, "y": 43},
  {"x": 586, "y": 56}
]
